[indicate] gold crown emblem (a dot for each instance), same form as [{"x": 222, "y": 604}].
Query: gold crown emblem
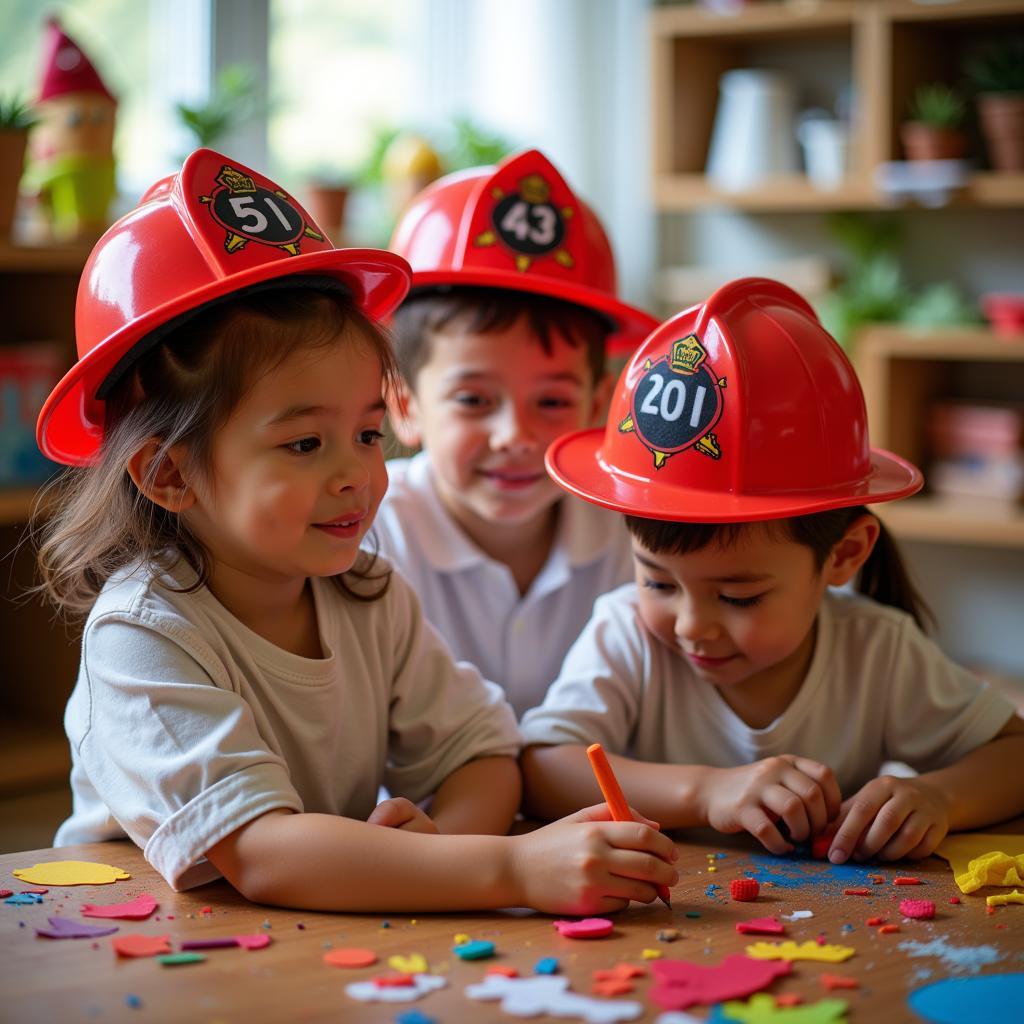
[
  {"x": 687, "y": 355},
  {"x": 534, "y": 189},
  {"x": 234, "y": 180}
]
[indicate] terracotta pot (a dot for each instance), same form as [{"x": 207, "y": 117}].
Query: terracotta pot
[
  {"x": 326, "y": 204},
  {"x": 926, "y": 142},
  {"x": 1002, "y": 121},
  {"x": 12, "y": 164}
]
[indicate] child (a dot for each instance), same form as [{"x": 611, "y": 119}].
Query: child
[
  {"x": 501, "y": 349},
  {"x": 249, "y": 678},
  {"x": 737, "y": 690}
]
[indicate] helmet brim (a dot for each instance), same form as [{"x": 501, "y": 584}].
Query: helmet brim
[
  {"x": 70, "y": 425},
  {"x": 575, "y": 463},
  {"x": 631, "y": 325}
]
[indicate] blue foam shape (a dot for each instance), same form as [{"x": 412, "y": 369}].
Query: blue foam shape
[{"x": 981, "y": 1000}]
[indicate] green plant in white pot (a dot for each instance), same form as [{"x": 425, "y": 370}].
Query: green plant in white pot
[
  {"x": 16, "y": 117},
  {"x": 997, "y": 75}
]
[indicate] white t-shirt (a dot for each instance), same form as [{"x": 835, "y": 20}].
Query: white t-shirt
[
  {"x": 519, "y": 641},
  {"x": 184, "y": 724},
  {"x": 877, "y": 690}
]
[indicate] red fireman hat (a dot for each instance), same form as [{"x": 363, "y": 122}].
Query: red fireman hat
[
  {"x": 740, "y": 409},
  {"x": 212, "y": 231},
  {"x": 516, "y": 226},
  {"x": 66, "y": 68}
]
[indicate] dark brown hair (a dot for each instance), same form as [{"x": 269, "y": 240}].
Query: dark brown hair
[
  {"x": 181, "y": 391},
  {"x": 487, "y": 310},
  {"x": 883, "y": 576}
]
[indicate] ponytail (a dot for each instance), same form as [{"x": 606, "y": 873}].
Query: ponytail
[{"x": 885, "y": 579}]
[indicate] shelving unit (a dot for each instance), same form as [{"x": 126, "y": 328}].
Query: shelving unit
[
  {"x": 40, "y": 658},
  {"x": 882, "y": 48},
  {"x": 903, "y": 371}
]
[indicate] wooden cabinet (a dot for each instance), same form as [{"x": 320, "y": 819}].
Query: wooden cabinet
[
  {"x": 902, "y": 373},
  {"x": 878, "y": 51},
  {"x": 39, "y": 654}
]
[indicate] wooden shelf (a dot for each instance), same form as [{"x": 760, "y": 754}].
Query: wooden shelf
[
  {"x": 32, "y": 756},
  {"x": 958, "y": 344},
  {"x": 881, "y": 50},
  {"x": 682, "y": 192},
  {"x": 960, "y": 521},
  {"x": 16, "y": 505},
  {"x": 41, "y": 258}
]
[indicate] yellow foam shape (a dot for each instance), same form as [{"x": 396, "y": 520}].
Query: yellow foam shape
[
  {"x": 762, "y": 1009},
  {"x": 993, "y": 868},
  {"x": 1000, "y": 899},
  {"x": 414, "y": 963},
  {"x": 651, "y": 954},
  {"x": 799, "y": 951},
  {"x": 71, "y": 872},
  {"x": 960, "y": 850}
]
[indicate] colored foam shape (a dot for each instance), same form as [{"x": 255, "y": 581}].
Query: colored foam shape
[
  {"x": 799, "y": 951},
  {"x": 350, "y": 957},
  {"x": 178, "y": 959},
  {"x": 1001, "y": 899},
  {"x": 369, "y": 992},
  {"x": 23, "y": 899},
  {"x": 478, "y": 950},
  {"x": 141, "y": 945},
  {"x": 65, "y": 928},
  {"x": 982, "y": 1000},
  {"x": 680, "y": 984},
  {"x": 588, "y": 928},
  {"x": 922, "y": 910},
  {"x": 1006, "y": 853},
  {"x": 414, "y": 963},
  {"x": 260, "y": 940},
  {"x": 761, "y": 926},
  {"x": 531, "y": 997},
  {"x": 762, "y": 1009},
  {"x": 223, "y": 943},
  {"x": 71, "y": 872},
  {"x": 136, "y": 909}
]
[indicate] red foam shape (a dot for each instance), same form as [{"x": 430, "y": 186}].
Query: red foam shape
[
  {"x": 588, "y": 928},
  {"x": 680, "y": 984},
  {"x": 141, "y": 945},
  {"x": 834, "y": 981},
  {"x": 906, "y": 880},
  {"x": 744, "y": 890},
  {"x": 761, "y": 926},
  {"x": 821, "y": 842}
]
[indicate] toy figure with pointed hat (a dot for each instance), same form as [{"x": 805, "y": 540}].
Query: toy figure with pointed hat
[{"x": 71, "y": 166}]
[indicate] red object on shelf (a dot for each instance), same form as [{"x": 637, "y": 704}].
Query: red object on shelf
[{"x": 1005, "y": 312}]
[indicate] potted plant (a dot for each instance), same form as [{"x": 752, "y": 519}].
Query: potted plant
[
  {"x": 997, "y": 74},
  {"x": 16, "y": 117},
  {"x": 934, "y": 130},
  {"x": 231, "y": 103}
]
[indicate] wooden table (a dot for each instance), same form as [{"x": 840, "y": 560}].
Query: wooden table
[{"x": 44, "y": 980}]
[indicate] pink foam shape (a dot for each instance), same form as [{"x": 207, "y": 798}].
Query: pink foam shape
[
  {"x": 258, "y": 941},
  {"x": 680, "y": 984},
  {"x": 761, "y": 926},
  {"x": 138, "y": 908},
  {"x": 588, "y": 928}
]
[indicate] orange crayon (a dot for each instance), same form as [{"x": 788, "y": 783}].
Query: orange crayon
[{"x": 615, "y": 799}]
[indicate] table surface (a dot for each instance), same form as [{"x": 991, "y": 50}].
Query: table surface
[{"x": 83, "y": 980}]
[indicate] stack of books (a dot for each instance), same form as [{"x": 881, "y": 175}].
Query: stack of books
[{"x": 977, "y": 450}]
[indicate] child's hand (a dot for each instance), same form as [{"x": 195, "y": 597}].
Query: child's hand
[
  {"x": 404, "y": 814},
  {"x": 801, "y": 792},
  {"x": 588, "y": 864},
  {"x": 891, "y": 818}
]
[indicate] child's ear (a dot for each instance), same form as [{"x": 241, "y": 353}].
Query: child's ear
[
  {"x": 851, "y": 551},
  {"x": 166, "y": 486},
  {"x": 601, "y": 398},
  {"x": 403, "y": 414}
]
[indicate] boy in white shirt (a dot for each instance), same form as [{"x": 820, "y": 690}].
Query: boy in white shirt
[{"x": 501, "y": 346}]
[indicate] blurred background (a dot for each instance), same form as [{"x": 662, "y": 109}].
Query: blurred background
[{"x": 851, "y": 149}]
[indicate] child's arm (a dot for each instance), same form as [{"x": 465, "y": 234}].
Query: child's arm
[
  {"x": 893, "y": 817},
  {"x": 582, "y": 865},
  {"x": 480, "y": 797},
  {"x": 801, "y": 792}
]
